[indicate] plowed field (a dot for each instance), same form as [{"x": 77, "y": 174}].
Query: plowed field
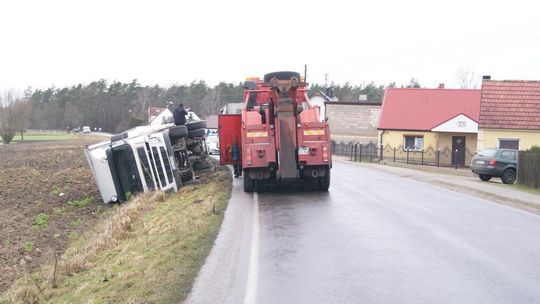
[{"x": 47, "y": 197}]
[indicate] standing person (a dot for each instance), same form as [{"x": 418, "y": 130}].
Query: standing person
[
  {"x": 179, "y": 115},
  {"x": 236, "y": 157}
]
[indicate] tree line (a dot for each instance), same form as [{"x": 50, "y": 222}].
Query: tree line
[{"x": 117, "y": 106}]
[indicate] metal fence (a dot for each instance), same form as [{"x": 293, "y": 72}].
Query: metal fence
[
  {"x": 529, "y": 169},
  {"x": 356, "y": 151},
  {"x": 430, "y": 156}
]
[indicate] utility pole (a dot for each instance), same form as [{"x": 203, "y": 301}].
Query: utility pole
[
  {"x": 305, "y": 73},
  {"x": 325, "y": 81}
]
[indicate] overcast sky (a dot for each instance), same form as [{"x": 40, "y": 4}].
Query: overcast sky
[{"x": 45, "y": 43}]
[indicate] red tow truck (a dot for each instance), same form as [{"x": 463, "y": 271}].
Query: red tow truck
[{"x": 279, "y": 135}]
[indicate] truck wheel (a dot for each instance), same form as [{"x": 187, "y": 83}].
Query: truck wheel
[
  {"x": 196, "y": 133},
  {"x": 177, "y": 132},
  {"x": 484, "y": 177},
  {"x": 248, "y": 183},
  {"x": 509, "y": 176},
  {"x": 324, "y": 181},
  {"x": 194, "y": 125},
  {"x": 283, "y": 75}
]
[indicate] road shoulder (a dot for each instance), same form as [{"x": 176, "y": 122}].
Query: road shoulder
[
  {"x": 492, "y": 191},
  {"x": 219, "y": 280}
]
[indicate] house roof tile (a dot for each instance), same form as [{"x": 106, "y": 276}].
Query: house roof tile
[
  {"x": 510, "y": 104},
  {"x": 424, "y": 109},
  {"x": 154, "y": 111}
]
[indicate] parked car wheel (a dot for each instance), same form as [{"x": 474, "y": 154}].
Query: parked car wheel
[
  {"x": 484, "y": 177},
  {"x": 196, "y": 133},
  {"x": 177, "y": 132},
  {"x": 194, "y": 125},
  {"x": 509, "y": 176}
]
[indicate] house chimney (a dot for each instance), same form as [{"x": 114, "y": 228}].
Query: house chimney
[
  {"x": 441, "y": 85},
  {"x": 486, "y": 77}
]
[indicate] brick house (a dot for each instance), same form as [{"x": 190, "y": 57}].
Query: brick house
[
  {"x": 154, "y": 112},
  {"x": 353, "y": 121},
  {"x": 509, "y": 114}
]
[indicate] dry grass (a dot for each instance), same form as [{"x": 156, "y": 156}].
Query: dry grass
[
  {"x": 147, "y": 251},
  {"x": 117, "y": 227}
]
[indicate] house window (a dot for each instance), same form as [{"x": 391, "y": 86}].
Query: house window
[
  {"x": 509, "y": 144},
  {"x": 413, "y": 143}
]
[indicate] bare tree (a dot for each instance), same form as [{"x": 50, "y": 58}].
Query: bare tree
[
  {"x": 466, "y": 78},
  {"x": 13, "y": 114},
  {"x": 210, "y": 102},
  {"x": 143, "y": 99},
  {"x": 414, "y": 83}
]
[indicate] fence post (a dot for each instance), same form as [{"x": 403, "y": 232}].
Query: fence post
[
  {"x": 422, "y": 162},
  {"x": 370, "y": 151},
  {"x": 360, "y": 158},
  {"x": 438, "y": 156},
  {"x": 407, "y": 156},
  {"x": 394, "y": 154},
  {"x": 382, "y": 155}
]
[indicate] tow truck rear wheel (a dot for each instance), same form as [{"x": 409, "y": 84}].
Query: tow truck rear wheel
[
  {"x": 324, "y": 181},
  {"x": 249, "y": 183}
]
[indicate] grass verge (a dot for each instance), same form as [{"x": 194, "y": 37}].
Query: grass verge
[
  {"x": 44, "y": 136},
  {"x": 525, "y": 188},
  {"x": 147, "y": 251}
]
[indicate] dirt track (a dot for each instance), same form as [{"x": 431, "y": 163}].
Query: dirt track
[{"x": 42, "y": 190}]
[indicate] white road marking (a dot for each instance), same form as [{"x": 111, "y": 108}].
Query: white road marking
[{"x": 251, "y": 284}]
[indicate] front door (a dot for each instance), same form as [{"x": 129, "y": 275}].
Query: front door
[{"x": 458, "y": 150}]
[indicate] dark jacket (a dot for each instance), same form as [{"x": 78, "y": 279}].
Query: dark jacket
[{"x": 179, "y": 115}]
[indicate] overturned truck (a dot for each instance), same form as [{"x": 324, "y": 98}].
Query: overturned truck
[{"x": 147, "y": 158}]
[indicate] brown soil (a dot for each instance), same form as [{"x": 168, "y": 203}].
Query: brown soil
[{"x": 40, "y": 181}]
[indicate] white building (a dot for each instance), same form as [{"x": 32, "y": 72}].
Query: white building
[
  {"x": 318, "y": 98},
  {"x": 159, "y": 116}
]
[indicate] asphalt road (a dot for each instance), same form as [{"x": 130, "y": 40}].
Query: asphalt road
[{"x": 375, "y": 237}]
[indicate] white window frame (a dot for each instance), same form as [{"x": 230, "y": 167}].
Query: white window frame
[
  {"x": 417, "y": 147},
  {"x": 509, "y": 139}
]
